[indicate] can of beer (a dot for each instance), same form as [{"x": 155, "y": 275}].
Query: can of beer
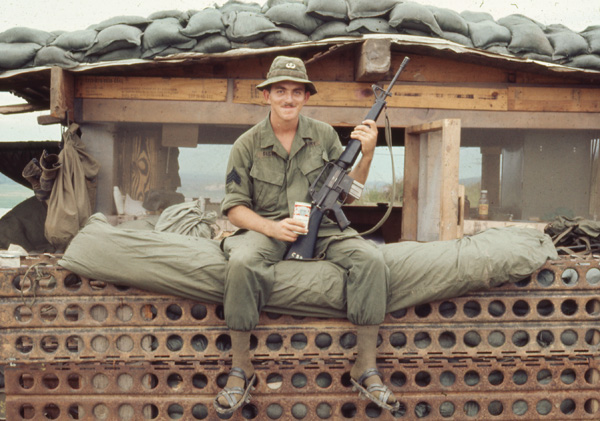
[{"x": 302, "y": 214}]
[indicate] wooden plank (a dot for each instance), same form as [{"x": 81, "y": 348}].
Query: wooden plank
[
  {"x": 170, "y": 89},
  {"x": 554, "y": 99},
  {"x": 374, "y": 60},
  {"x": 46, "y": 120},
  {"x": 431, "y": 189},
  {"x": 21, "y": 108},
  {"x": 215, "y": 113},
  {"x": 62, "y": 92},
  {"x": 410, "y": 201},
  {"x": 354, "y": 94}
]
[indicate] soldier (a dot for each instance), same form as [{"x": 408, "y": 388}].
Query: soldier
[{"x": 271, "y": 166}]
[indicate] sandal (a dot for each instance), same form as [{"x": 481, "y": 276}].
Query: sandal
[
  {"x": 228, "y": 392},
  {"x": 367, "y": 392}
]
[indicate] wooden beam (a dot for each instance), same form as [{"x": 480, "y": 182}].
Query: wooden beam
[
  {"x": 554, "y": 99},
  {"x": 350, "y": 94},
  {"x": 374, "y": 60},
  {"x": 20, "y": 108},
  {"x": 46, "y": 120},
  {"x": 61, "y": 93},
  {"x": 225, "y": 113},
  {"x": 169, "y": 89}
]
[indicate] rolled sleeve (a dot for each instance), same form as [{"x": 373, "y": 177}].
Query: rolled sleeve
[{"x": 238, "y": 187}]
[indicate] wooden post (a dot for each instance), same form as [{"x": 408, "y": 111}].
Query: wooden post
[
  {"x": 62, "y": 94},
  {"x": 374, "y": 60},
  {"x": 430, "y": 210}
]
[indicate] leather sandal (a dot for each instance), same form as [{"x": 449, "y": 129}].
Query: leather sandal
[
  {"x": 383, "y": 390},
  {"x": 229, "y": 392}
]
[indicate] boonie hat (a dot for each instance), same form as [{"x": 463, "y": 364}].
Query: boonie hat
[{"x": 288, "y": 68}]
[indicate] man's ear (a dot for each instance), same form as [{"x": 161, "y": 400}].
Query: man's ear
[
  {"x": 306, "y": 96},
  {"x": 267, "y": 95}
]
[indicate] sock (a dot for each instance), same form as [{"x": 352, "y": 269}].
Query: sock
[
  {"x": 366, "y": 358},
  {"x": 240, "y": 351}
]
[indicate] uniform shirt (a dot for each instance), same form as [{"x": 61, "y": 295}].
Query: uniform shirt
[{"x": 262, "y": 176}]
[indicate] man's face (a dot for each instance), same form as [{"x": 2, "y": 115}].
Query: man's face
[{"x": 286, "y": 99}]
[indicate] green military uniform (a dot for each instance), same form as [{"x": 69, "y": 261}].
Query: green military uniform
[{"x": 262, "y": 176}]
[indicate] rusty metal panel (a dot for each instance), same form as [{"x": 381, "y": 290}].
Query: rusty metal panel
[{"x": 485, "y": 390}]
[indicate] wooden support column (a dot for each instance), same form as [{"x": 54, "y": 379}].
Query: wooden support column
[
  {"x": 490, "y": 173},
  {"x": 62, "y": 96},
  {"x": 374, "y": 60},
  {"x": 430, "y": 210}
]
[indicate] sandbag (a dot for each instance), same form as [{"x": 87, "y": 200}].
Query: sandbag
[
  {"x": 585, "y": 61},
  {"x": 16, "y": 56},
  {"x": 182, "y": 17},
  {"x": 254, "y": 44},
  {"x": 371, "y": 26},
  {"x": 163, "y": 33},
  {"x": 76, "y": 41},
  {"x": 285, "y": 36},
  {"x": 121, "y": 54},
  {"x": 414, "y": 16},
  {"x": 213, "y": 44},
  {"x": 475, "y": 17},
  {"x": 487, "y": 33},
  {"x": 205, "y": 22},
  {"x": 293, "y": 15},
  {"x": 458, "y": 38},
  {"x": 369, "y": 8},
  {"x": 328, "y": 9},
  {"x": 565, "y": 42},
  {"x": 248, "y": 26},
  {"x": 332, "y": 29},
  {"x": 527, "y": 36},
  {"x": 73, "y": 194},
  {"x": 55, "y": 56},
  {"x": 229, "y": 9},
  {"x": 129, "y": 20},
  {"x": 449, "y": 20},
  {"x": 193, "y": 267},
  {"x": 26, "y": 35},
  {"x": 116, "y": 37},
  {"x": 592, "y": 35}
]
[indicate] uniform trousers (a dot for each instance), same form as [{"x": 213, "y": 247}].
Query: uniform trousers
[{"x": 250, "y": 276}]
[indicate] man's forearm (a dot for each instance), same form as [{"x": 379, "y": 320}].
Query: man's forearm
[{"x": 246, "y": 218}]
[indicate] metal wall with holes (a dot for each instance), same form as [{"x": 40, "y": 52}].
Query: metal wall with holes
[{"x": 78, "y": 348}]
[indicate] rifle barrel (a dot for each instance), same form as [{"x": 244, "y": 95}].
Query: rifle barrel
[{"x": 402, "y": 66}]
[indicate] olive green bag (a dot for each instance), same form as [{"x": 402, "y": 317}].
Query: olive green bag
[{"x": 193, "y": 267}]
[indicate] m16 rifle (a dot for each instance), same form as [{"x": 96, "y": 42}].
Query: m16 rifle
[{"x": 329, "y": 198}]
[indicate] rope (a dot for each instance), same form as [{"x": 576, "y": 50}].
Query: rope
[{"x": 34, "y": 282}]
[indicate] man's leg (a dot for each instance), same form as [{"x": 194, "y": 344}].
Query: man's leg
[
  {"x": 366, "y": 295},
  {"x": 248, "y": 284}
]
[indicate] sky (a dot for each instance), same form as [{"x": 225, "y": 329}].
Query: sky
[{"x": 70, "y": 15}]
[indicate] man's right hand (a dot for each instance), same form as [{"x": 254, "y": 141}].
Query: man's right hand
[{"x": 287, "y": 229}]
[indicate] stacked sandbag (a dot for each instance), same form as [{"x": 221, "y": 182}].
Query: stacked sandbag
[
  {"x": 18, "y": 46},
  {"x": 238, "y": 24}
]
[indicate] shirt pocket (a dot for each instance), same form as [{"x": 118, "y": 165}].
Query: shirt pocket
[
  {"x": 267, "y": 186},
  {"x": 312, "y": 166}
]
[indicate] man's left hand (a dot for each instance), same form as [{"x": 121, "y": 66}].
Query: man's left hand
[{"x": 366, "y": 133}]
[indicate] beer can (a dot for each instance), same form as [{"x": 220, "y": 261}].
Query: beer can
[{"x": 302, "y": 213}]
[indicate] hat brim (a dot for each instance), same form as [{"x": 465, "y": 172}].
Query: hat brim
[{"x": 309, "y": 85}]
